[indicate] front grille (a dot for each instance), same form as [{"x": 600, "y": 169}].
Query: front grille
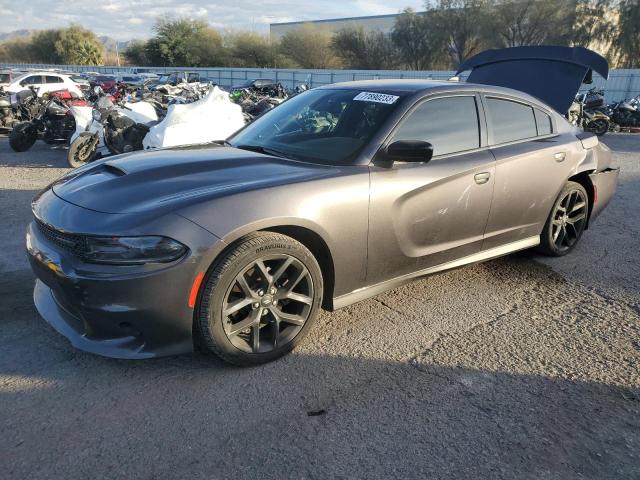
[{"x": 73, "y": 243}]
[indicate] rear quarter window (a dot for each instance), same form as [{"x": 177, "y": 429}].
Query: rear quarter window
[
  {"x": 543, "y": 122},
  {"x": 510, "y": 121}
]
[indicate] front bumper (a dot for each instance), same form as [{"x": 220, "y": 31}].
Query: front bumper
[{"x": 130, "y": 312}]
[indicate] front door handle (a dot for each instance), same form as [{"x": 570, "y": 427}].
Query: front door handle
[
  {"x": 560, "y": 156},
  {"x": 482, "y": 178}
]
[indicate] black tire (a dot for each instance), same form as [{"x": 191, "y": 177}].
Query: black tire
[
  {"x": 23, "y": 136},
  {"x": 599, "y": 127},
  {"x": 567, "y": 221},
  {"x": 230, "y": 335},
  {"x": 82, "y": 150}
]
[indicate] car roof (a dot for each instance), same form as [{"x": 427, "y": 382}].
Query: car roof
[
  {"x": 41, "y": 72},
  {"x": 413, "y": 86}
]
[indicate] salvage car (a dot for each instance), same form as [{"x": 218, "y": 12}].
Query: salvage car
[{"x": 336, "y": 195}]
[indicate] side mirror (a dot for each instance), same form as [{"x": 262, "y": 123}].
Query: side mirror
[{"x": 409, "y": 151}]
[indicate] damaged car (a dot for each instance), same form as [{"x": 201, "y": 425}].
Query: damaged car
[{"x": 336, "y": 195}]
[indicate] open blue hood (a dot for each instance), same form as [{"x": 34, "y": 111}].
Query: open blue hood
[{"x": 552, "y": 74}]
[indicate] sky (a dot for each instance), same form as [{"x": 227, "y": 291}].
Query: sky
[{"x": 125, "y": 20}]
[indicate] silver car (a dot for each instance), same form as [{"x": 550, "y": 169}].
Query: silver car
[{"x": 338, "y": 194}]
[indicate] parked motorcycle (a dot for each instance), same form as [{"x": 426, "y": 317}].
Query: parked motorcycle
[
  {"x": 52, "y": 121},
  {"x": 585, "y": 113},
  {"x": 112, "y": 130},
  {"x": 626, "y": 113},
  {"x": 16, "y": 108}
]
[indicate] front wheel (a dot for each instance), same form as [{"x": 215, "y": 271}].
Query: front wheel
[
  {"x": 82, "y": 150},
  {"x": 23, "y": 136},
  {"x": 566, "y": 222},
  {"x": 260, "y": 299}
]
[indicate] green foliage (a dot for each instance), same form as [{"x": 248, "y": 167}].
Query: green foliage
[
  {"x": 136, "y": 53},
  {"x": 78, "y": 46},
  {"x": 309, "y": 47},
  {"x": 248, "y": 49},
  {"x": 364, "y": 50},
  {"x": 420, "y": 45},
  {"x": 449, "y": 32},
  {"x": 532, "y": 22},
  {"x": 71, "y": 46},
  {"x": 185, "y": 43}
]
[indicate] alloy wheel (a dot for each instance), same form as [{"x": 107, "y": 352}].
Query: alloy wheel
[
  {"x": 569, "y": 219},
  {"x": 268, "y": 303}
]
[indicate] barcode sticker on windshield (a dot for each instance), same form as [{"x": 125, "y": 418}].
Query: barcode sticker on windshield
[{"x": 376, "y": 97}]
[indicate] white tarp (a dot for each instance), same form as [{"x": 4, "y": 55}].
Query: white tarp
[{"x": 211, "y": 118}]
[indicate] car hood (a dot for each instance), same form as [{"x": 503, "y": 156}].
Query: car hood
[
  {"x": 176, "y": 177},
  {"x": 552, "y": 74}
]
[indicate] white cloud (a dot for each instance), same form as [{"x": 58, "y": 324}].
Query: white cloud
[{"x": 126, "y": 19}]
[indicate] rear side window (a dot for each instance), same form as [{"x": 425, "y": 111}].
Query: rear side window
[
  {"x": 543, "y": 122},
  {"x": 510, "y": 121},
  {"x": 52, "y": 79},
  {"x": 449, "y": 124}
]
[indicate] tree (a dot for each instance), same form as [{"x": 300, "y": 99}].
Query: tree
[
  {"x": 461, "y": 24},
  {"x": 627, "y": 40},
  {"x": 364, "y": 50},
  {"x": 419, "y": 45},
  {"x": 532, "y": 22},
  {"x": 43, "y": 45},
  {"x": 309, "y": 47},
  {"x": 136, "y": 53},
  {"x": 78, "y": 46},
  {"x": 593, "y": 25},
  {"x": 248, "y": 49},
  {"x": 184, "y": 42}
]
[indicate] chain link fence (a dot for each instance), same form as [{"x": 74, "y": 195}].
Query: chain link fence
[{"x": 622, "y": 84}]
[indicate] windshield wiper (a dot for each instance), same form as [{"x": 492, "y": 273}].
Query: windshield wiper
[{"x": 265, "y": 150}]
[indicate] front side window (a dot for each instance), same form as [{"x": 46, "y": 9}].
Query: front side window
[
  {"x": 510, "y": 121},
  {"x": 449, "y": 124},
  {"x": 52, "y": 79},
  {"x": 320, "y": 126}
]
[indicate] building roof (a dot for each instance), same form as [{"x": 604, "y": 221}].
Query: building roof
[{"x": 343, "y": 19}]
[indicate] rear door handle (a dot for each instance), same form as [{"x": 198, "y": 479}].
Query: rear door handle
[
  {"x": 482, "y": 178},
  {"x": 560, "y": 156}
]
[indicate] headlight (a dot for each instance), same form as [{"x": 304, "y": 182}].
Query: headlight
[
  {"x": 133, "y": 250},
  {"x": 97, "y": 116}
]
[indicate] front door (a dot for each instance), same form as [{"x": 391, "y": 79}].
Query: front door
[{"x": 426, "y": 214}]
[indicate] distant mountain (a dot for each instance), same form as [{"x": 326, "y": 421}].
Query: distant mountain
[
  {"x": 108, "y": 42},
  {"x": 16, "y": 34}
]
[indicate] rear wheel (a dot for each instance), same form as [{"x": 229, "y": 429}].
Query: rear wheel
[
  {"x": 566, "y": 222},
  {"x": 260, "y": 299},
  {"x": 82, "y": 150},
  {"x": 23, "y": 136}
]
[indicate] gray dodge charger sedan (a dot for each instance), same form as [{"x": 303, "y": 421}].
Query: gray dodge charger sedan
[{"x": 336, "y": 195}]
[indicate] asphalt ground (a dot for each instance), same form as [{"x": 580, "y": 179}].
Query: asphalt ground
[{"x": 524, "y": 367}]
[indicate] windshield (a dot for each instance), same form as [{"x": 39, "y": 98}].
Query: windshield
[{"x": 319, "y": 126}]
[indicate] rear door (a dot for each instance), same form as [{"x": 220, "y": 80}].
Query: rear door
[
  {"x": 425, "y": 214},
  {"x": 532, "y": 165}
]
